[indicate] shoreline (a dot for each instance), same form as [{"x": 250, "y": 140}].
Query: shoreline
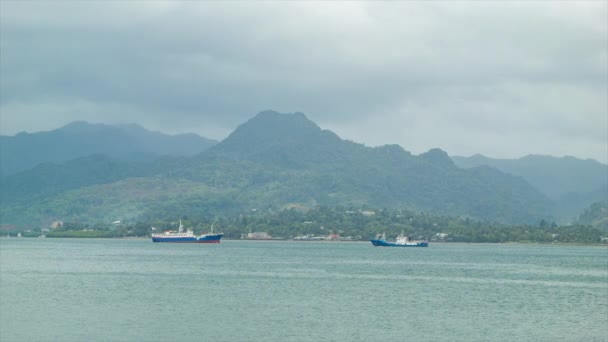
[{"x": 2, "y": 238}]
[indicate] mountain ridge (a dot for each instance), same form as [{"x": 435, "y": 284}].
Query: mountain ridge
[
  {"x": 277, "y": 160},
  {"x": 80, "y": 139},
  {"x": 572, "y": 183}
]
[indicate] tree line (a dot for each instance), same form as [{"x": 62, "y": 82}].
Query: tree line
[{"x": 354, "y": 223}]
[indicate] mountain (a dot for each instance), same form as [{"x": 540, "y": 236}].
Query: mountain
[
  {"x": 79, "y": 139},
  {"x": 572, "y": 183},
  {"x": 273, "y": 161},
  {"x": 290, "y": 141},
  {"x": 347, "y": 172},
  {"x": 554, "y": 176},
  {"x": 596, "y": 215},
  {"x": 48, "y": 179}
]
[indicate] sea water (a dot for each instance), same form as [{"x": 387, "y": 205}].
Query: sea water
[{"x": 136, "y": 290}]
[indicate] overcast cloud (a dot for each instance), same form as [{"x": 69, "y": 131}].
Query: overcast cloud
[{"x": 504, "y": 79}]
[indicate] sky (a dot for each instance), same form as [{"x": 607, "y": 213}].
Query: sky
[{"x": 500, "y": 78}]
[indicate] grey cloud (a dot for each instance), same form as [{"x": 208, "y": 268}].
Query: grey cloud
[{"x": 457, "y": 73}]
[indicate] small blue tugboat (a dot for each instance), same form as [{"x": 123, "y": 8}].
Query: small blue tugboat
[{"x": 402, "y": 241}]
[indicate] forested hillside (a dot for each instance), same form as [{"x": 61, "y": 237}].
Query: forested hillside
[
  {"x": 273, "y": 161},
  {"x": 596, "y": 215},
  {"x": 81, "y": 139},
  {"x": 572, "y": 184}
]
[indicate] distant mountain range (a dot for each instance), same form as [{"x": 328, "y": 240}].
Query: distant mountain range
[
  {"x": 572, "y": 184},
  {"x": 80, "y": 139},
  {"x": 273, "y": 161}
]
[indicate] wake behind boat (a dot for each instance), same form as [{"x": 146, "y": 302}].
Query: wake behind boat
[
  {"x": 402, "y": 241},
  {"x": 187, "y": 237}
]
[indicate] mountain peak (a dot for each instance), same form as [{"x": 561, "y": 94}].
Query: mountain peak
[
  {"x": 437, "y": 156},
  {"x": 80, "y": 138},
  {"x": 269, "y": 113},
  {"x": 269, "y": 129},
  {"x": 274, "y": 117},
  {"x": 80, "y": 126}
]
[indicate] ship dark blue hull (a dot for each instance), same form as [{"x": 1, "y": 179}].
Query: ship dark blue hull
[
  {"x": 189, "y": 239},
  {"x": 382, "y": 243}
]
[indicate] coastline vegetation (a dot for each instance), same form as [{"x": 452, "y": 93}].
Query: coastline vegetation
[{"x": 352, "y": 223}]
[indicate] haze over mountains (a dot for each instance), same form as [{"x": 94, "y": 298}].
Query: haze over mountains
[
  {"x": 273, "y": 161},
  {"x": 571, "y": 183},
  {"x": 79, "y": 139}
]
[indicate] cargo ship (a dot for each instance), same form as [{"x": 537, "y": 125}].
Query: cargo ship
[
  {"x": 402, "y": 241},
  {"x": 187, "y": 237}
]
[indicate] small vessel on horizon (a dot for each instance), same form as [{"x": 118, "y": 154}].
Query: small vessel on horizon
[
  {"x": 402, "y": 241},
  {"x": 187, "y": 237}
]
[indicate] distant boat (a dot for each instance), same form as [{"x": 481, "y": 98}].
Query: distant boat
[
  {"x": 187, "y": 237},
  {"x": 402, "y": 241}
]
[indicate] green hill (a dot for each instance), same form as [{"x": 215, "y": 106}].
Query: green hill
[
  {"x": 272, "y": 161},
  {"x": 80, "y": 139},
  {"x": 596, "y": 215},
  {"x": 572, "y": 184}
]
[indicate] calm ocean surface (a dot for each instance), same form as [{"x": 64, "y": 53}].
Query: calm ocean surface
[{"x": 135, "y": 290}]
